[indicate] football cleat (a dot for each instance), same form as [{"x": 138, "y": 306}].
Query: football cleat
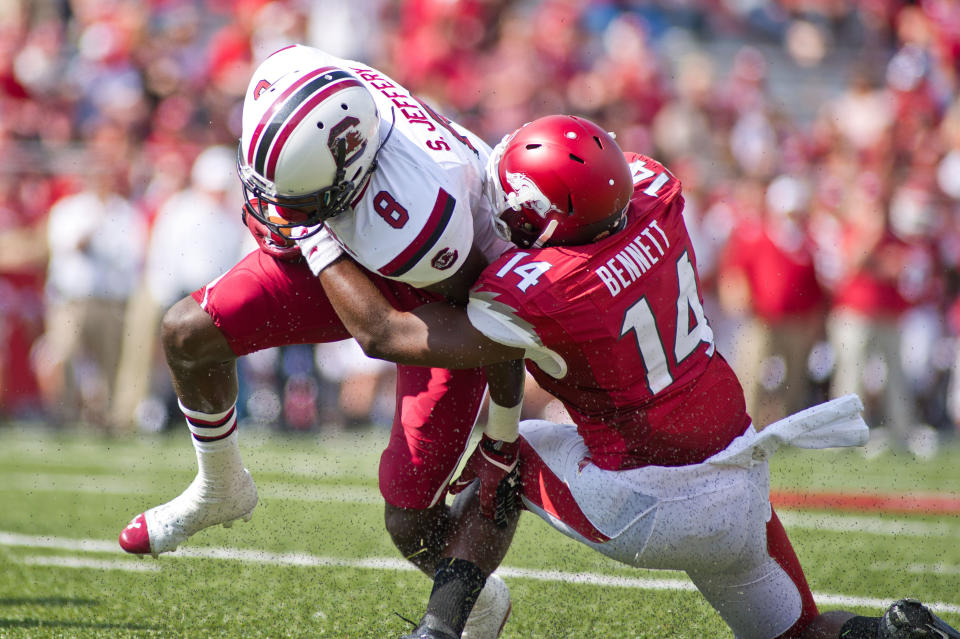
[
  {"x": 490, "y": 612},
  {"x": 431, "y": 628},
  {"x": 163, "y": 528},
  {"x": 910, "y": 619}
]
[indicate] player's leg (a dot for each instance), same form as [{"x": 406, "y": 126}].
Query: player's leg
[
  {"x": 465, "y": 591},
  {"x": 745, "y": 566},
  {"x": 677, "y": 518},
  {"x": 904, "y": 619},
  {"x": 436, "y": 411},
  {"x": 434, "y": 417},
  {"x": 467, "y": 600},
  {"x": 768, "y": 585},
  {"x": 745, "y": 598},
  {"x": 203, "y": 370},
  {"x": 259, "y": 303}
]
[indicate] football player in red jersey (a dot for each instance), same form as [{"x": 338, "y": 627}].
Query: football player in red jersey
[
  {"x": 343, "y": 158},
  {"x": 663, "y": 468}
]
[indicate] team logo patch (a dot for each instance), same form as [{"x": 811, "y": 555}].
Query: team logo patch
[
  {"x": 262, "y": 86},
  {"x": 346, "y": 131},
  {"x": 525, "y": 192},
  {"x": 443, "y": 260}
]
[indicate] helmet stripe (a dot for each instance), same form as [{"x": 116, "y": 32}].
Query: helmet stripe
[
  {"x": 426, "y": 240},
  {"x": 269, "y": 113},
  {"x": 285, "y": 129},
  {"x": 288, "y": 102}
]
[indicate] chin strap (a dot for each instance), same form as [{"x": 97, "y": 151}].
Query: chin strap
[{"x": 547, "y": 233}]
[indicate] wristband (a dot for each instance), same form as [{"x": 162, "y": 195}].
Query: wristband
[{"x": 320, "y": 250}]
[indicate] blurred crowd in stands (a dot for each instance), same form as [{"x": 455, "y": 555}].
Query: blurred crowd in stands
[{"x": 818, "y": 142}]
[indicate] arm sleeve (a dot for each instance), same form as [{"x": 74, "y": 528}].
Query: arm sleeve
[{"x": 502, "y": 324}]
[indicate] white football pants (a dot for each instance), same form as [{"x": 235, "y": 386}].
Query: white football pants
[{"x": 705, "y": 519}]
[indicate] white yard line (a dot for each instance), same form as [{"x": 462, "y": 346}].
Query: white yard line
[
  {"x": 118, "y": 485},
  {"x": 889, "y": 525},
  {"x": 96, "y": 564},
  {"x": 300, "y": 559},
  {"x": 919, "y": 569}
]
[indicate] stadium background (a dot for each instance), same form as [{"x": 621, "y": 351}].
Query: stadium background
[
  {"x": 841, "y": 116},
  {"x": 806, "y": 132}
]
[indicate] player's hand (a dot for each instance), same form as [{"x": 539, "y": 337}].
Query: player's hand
[
  {"x": 271, "y": 243},
  {"x": 320, "y": 248},
  {"x": 494, "y": 463}
]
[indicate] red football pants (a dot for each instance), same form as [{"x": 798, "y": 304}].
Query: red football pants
[{"x": 263, "y": 303}]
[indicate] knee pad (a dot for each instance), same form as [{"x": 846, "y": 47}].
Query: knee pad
[{"x": 759, "y": 603}]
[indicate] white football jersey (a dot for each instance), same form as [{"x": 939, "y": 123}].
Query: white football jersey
[{"x": 424, "y": 206}]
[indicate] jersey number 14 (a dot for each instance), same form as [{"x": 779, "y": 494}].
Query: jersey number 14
[{"x": 692, "y": 329}]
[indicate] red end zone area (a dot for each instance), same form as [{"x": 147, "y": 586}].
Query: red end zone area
[{"x": 913, "y": 503}]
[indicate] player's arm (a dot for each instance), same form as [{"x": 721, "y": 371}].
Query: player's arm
[
  {"x": 494, "y": 460},
  {"x": 438, "y": 334},
  {"x": 441, "y": 335},
  {"x": 457, "y": 286}
]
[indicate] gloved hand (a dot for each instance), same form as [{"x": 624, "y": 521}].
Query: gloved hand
[
  {"x": 494, "y": 463},
  {"x": 281, "y": 247}
]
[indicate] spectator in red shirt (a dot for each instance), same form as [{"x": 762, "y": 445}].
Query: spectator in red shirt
[
  {"x": 869, "y": 301},
  {"x": 768, "y": 272},
  {"x": 23, "y": 256}
]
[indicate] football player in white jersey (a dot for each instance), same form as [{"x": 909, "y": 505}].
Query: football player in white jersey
[
  {"x": 340, "y": 157},
  {"x": 663, "y": 468}
]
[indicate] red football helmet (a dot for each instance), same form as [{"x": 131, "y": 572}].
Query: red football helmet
[{"x": 559, "y": 180}]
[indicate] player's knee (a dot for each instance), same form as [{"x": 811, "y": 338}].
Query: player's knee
[
  {"x": 401, "y": 523},
  {"x": 413, "y": 530},
  {"x": 189, "y": 335}
]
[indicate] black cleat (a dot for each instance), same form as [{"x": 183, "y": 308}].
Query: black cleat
[
  {"x": 432, "y": 628},
  {"x": 910, "y": 619}
]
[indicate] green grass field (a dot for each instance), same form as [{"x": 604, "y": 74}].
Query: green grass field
[{"x": 315, "y": 560}]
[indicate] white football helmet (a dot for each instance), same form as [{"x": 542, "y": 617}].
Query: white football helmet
[{"x": 309, "y": 142}]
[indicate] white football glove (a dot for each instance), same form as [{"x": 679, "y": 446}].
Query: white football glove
[{"x": 320, "y": 249}]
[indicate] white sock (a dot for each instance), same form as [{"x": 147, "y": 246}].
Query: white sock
[
  {"x": 216, "y": 442},
  {"x": 221, "y": 492}
]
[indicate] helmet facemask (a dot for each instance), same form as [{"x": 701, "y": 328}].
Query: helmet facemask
[
  {"x": 511, "y": 225},
  {"x": 309, "y": 141},
  {"x": 307, "y": 210},
  {"x": 509, "y": 216}
]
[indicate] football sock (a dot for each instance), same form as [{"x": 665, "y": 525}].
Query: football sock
[
  {"x": 860, "y": 628},
  {"x": 215, "y": 441},
  {"x": 456, "y": 586}
]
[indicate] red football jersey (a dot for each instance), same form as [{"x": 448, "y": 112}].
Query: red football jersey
[{"x": 616, "y": 330}]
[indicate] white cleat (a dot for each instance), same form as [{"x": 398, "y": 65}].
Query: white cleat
[
  {"x": 163, "y": 528},
  {"x": 490, "y": 613}
]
